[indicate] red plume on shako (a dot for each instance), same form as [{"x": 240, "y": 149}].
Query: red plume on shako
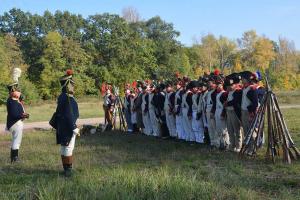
[
  {"x": 69, "y": 72},
  {"x": 134, "y": 84},
  {"x": 103, "y": 89},
  {"x": 217, "y": 72}
]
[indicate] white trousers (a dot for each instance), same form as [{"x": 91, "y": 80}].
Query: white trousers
[
  {"x": 234, "y": 129},
  {"x": 211, "y": 125},
  {"x": 179, "y": 128},
  {"x": 147, "y": 123},
  {"x": 204, "y": 120},
  {"x": 221, "y": 129},
  {"x": 187, "y": 125},
  {"x": 68, "y": 150},
  {"x": 171, "y": 124},
  {"x": 198, "y": 128},
  {"x": 154, "y": 123},
  {"x": 17, "y": 134},
  {"x": 133, "y": 117}
]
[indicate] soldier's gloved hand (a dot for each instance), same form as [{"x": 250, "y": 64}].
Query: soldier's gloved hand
[
  {"x": 199, "y": 114},
  {"x": 25, "y": 115},
  {"x": 251, "y": 116},
  {"x": 76, "y": 131}
]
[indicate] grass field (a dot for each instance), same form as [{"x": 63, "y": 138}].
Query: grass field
[
  {"x": 288, "y": 97},
  {"x": 119, "y": 166}
]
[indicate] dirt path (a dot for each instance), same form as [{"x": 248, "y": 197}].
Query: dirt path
[
  {"x": 290, "y": 106},
  {"x": 45, "y": 125}
]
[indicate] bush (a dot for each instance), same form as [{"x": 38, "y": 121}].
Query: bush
[
  {"x": 3, "y": 94},
  {"x": 29, "y": 91}
]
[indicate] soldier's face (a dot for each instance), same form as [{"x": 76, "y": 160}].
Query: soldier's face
[
  {"x": 231, "y": 87},
  {"x": 169, "y": 89},
  {"x": 245, "y": 81},
  {"x": 70, "y": 88},
  {"x": 212, "y": 85},
  {"x": 195, "y": 90},
  {"x": 16, "y": 94},
  {"x": 220, "y": 86}
]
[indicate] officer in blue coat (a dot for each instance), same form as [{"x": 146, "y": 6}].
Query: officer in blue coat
[
  {"x": 67, "y": 115},
  {"x": 15, "y": 116}
]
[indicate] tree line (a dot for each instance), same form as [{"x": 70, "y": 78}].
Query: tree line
[{"x": 119, "y": 49}]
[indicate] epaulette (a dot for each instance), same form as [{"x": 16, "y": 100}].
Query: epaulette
[
  {"x": 225, "y": 93},
  {"x": 253, "y": 87}
]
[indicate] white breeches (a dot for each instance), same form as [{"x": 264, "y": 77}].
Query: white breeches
[
  {"x": 211, "y": 125},
  {"x": 68, "y": 150},
  {"x": 198, "y": 128},
  {"x": 170, "y": 119},
  {"x": 17, "y": 133},
  {"x": 179, "y": 128},
  {"x": 133, "y": 117},
  {"x": 147, "y": 123},
  {"x": 154, "y": 123},
  {"x": 221, "y": 129},
  {"x": 187, "y": 125}
]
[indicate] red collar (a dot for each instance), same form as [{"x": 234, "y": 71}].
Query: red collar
[{"x": 219, "y": 90}]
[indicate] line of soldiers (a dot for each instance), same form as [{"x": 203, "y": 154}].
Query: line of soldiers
[{"x": 215, "y": 109}]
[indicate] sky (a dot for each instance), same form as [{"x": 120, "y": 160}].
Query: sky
[{"x": 192, "y": 18}]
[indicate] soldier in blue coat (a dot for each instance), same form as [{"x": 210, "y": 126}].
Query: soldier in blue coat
[
  {"x": 15, "y": 116},
  {"x": 67, "y": 115}
]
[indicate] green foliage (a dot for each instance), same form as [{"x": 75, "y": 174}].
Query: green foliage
[
  {"x": 53, "y": 64},
  {"x": 107, "y": 48},
  {"x": 29, "y": 91}
]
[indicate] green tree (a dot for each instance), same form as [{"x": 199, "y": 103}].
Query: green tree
[
  {"x": 226, "y": 51},
  {"x": 77, "y": 59},
  {"x": 115, "y": 46},
  {"x": 167, "y": 49},
  {"x": 53, "y": 65}
]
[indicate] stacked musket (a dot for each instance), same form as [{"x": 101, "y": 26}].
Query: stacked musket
[{"x": 279, "y": 140}]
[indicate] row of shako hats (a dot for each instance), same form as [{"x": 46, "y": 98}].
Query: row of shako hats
[
  {"x": 215, "y": 77},
  {"x": 219, "y": 78}
]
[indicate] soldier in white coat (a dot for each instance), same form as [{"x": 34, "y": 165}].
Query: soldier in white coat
[
  {"x": 169, "y": 110},
  {"x": 145, "y": 111},
  {"x": 153, "y": 118},
  {"x": 211, "y": 123},
  {"x": 220, "y": 115},
  {"x": 178, "y": 111},
  {"x": 196, "y": 135},
  {"x": 233, "y": 111},
  {"x": 202, "y": 110},
  {"x": 186, "y": 115}
]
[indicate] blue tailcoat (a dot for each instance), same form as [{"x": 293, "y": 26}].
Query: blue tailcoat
[{"x": 67, "y": 115}]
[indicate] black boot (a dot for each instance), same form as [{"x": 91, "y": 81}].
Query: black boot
[
  {"x": 68, "y": 170},
  {"x": 206, "y": 136},
  {"x": 67, "y": 165},
  {"x": 14, "y": 155}
]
